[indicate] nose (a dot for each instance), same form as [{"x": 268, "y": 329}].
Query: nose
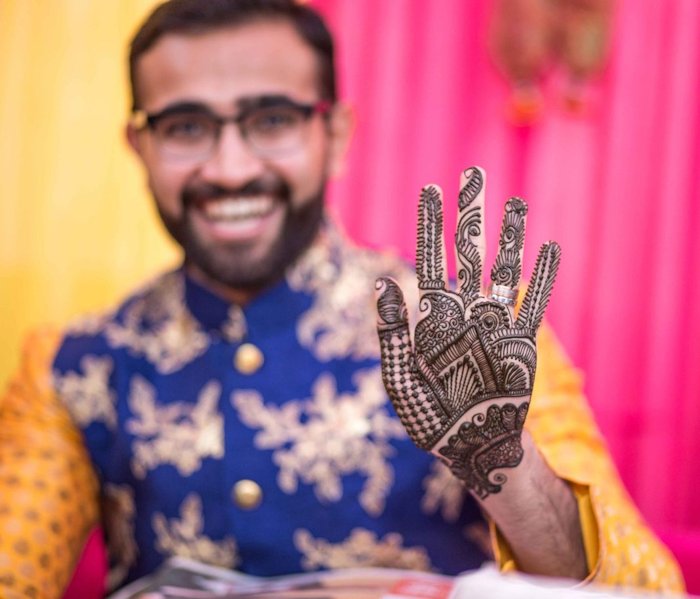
[{"x": 232, "y": 163}]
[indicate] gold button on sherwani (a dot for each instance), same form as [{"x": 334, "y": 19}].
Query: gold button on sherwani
[
  {"x": 248, "y": 359},
  {"x": 247, "y": 494}
]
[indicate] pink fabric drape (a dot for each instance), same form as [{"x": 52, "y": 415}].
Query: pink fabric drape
[{"x": 618, "y": 187}]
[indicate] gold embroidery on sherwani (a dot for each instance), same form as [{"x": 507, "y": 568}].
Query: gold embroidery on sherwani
[
  {"x": 319, "y": 440},
  {"x": 342, "y": 320},
  {"x": 159, "y": 326},
  {"x": 443, "y": 492},
  {"x": 184, "y": 536},
  {"x": 178, "y": 433},
  {"x": 88, "y": 396},
  {"x": 362, "y": 549},
  {"x": 234, "y": 328},
  {"x": 118, "y": 520}
]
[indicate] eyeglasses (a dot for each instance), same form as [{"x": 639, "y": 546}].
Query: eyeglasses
[{"x": 272, "y": 126}]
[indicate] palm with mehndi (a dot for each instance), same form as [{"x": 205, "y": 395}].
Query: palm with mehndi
[{"x": 462, "y": 389}]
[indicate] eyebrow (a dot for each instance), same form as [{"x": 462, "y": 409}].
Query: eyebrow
[
  {"x": 265, "y": 101},
  {"x": 186, "y": 106}
]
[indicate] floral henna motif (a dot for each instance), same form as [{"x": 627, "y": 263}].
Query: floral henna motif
[{"x": 462, "y": 389}]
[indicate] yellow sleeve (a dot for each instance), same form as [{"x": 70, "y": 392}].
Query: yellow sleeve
[
  {"x": 620, "y": 548},
  {"x": 48, "y": 489}
]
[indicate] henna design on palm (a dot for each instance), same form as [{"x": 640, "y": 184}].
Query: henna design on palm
[{"x": 462, "y": 389}]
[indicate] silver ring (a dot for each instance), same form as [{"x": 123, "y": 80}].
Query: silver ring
[{"x": 503, "y": 294}]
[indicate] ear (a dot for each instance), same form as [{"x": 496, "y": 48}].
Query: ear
[
  {"x": 134, "y": 139},
  {"x": 341, "y": 127}
]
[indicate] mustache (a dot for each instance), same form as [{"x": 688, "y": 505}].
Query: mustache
[{"x": 197, "y": 193}]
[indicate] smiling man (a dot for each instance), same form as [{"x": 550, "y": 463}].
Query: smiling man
[
  {"x": 245, "y": 200},
  {"x": 233, "y": 411}
]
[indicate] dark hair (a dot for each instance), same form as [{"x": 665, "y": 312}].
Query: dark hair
[{"x": 200, "y": 16}]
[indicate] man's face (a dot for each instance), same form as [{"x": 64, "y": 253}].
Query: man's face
[{"x": 240, "y": 216}]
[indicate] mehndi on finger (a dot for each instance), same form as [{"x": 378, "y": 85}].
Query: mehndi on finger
[
  {"x": 430, "y": 254},
  {"x": 507, "y": 267},
  {"x": 540, "y": 288},
  {"x": 469, "y": 238}
]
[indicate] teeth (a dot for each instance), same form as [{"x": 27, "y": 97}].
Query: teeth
[{"x": 239, "y": 208}]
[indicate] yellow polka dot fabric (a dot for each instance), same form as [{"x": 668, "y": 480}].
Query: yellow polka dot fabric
[
  {"x": 48, "y": 490},
  {"x": 621, "y": 549}
]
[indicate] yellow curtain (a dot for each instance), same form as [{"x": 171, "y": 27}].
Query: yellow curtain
[{"x": 77, "y": 226}]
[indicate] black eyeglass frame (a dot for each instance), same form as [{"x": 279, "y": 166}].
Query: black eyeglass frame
[
  {"x": 149, "y": 120},
  {"x": 142, "y": 120}
]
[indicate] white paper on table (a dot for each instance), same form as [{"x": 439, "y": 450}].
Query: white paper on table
[{"x": 488, "y": 583}]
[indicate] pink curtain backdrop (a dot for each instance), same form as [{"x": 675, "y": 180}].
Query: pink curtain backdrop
[{"x": 618, "y": 187}]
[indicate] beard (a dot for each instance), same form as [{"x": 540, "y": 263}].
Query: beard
[{"x": 232, "y": 266}]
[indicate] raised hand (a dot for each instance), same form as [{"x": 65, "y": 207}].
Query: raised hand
[{"x": 462, "y": 389}]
